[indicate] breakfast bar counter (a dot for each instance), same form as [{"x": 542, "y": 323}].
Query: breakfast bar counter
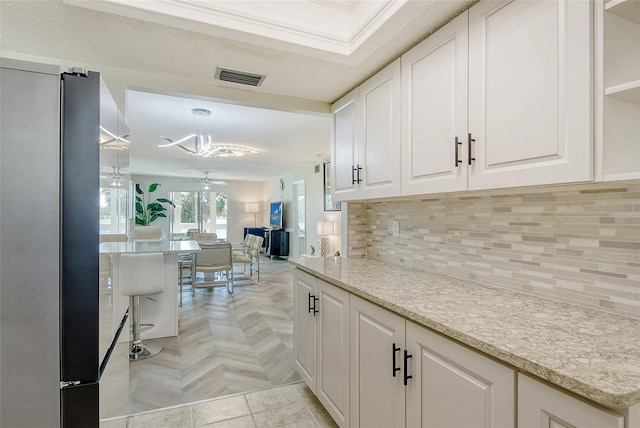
[
  {"x": 160, "y": 310},
  {"x": 590, "y": 353},
  {"x": 159, "y": 246}
]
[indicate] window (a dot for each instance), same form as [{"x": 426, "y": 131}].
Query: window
[
  {"x": 199, "y": 212},
  {"x": 113, "y": 210}
]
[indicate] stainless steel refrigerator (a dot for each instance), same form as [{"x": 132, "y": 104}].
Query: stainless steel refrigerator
[{"x": 49, "y": 210}]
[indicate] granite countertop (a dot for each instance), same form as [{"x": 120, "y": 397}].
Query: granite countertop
[
  {"x": 150, "y": 246},
  {"x": 591, "y": 353}
]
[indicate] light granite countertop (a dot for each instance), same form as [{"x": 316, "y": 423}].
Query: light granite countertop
[
  {"x": 593, "y": 354},
  {"x": 149, "y": 246}
]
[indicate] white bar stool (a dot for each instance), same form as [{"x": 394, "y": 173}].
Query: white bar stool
[{"x": 140, "y": 274}]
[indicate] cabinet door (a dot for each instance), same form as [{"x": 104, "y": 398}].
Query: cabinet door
[
  {"x": 530, "y": 91},
  {"x": 453, "y": 386},
  {"x": 434, "y": 111},
  {"x": 541, "y": 406},
  {"x": 379, "y": 136},
  {"x": 619, "y": 107},
  {"x": 344, "y": 147},
  {"x": 304, "y": 327},
  {"x": 332, "y": 380},
  {"x": 377, "y": 391}
]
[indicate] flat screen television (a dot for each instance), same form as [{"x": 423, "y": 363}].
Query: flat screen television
[{"x": 276, "y": 215}]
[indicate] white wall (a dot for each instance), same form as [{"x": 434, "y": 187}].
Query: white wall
[
  {"x": 238, "y": 193},
  {"x": 314, "y": 205}
]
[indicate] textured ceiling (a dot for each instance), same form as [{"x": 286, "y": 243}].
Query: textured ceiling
[{"x": 166, "y": 59}]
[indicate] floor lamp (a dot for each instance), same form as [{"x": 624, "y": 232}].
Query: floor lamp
[
  {"x": 252, "y": 207},
  {"x": 325, "y": 228}
]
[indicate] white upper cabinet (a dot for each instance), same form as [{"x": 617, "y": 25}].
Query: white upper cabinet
[
  {"x": 434, "y": 111},
  {"x": 502, "y": 96},
  {"x": 365, "y": 148},
  {"x": 618, "y": 101},
  {"x": 380, "y": 134},
  {"x": 344, "y": 145},
  {"x": 530, "y": 93}
]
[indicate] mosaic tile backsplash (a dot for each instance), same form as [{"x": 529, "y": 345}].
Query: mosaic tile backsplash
[{"x": 578, "y": 244}]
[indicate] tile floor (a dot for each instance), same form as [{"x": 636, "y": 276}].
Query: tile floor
[
  {"x": 284, "y": 406},
  {"x": 227, "y": 344}
]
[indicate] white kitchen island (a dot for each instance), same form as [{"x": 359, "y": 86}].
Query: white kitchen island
[{"x": 161, "y": 309}]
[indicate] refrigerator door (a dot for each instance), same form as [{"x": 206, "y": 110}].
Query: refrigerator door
[
  {"x": 48, "y": 246},
  {"x": 80, "y": 406},
  {"x": 80, "y": 190}
]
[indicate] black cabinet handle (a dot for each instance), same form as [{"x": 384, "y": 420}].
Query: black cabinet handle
[
  {"x": 314, "y": 299},
  {"x": 469, "y": 141},
  {"x": 309, "y": 303},
  {"x": 355, "y": 174},
  {"x": 406, "y": 376},
  {"x": 456, "y": 159},
  {"x": 394, "y": 349}
]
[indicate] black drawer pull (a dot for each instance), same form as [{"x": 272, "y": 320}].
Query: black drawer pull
[
  {"x": 394, "y": 349},
  {"x": 406, "y": 359}
]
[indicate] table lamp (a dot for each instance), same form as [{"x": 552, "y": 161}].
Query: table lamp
[
  {"x": 252, "y": 207},
  {"x": 325, "y": 228}
]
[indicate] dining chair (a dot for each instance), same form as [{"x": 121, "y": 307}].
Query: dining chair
[
  {"x": 251, "y": 257},
  {"x": 214, "y": 259},
  {"x": 246, "y": 244},
  {"x": 204, "y": 237}
]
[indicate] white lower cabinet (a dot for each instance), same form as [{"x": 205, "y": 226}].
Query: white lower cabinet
[
  {"x": 321, "y": 342},
  {"x": 541, "y": 406},
  {"x": 370, "y": 367},
  {"x": 453, "y": 386},
  {"x": 403, "y": 374},
  {"x": 377, "y": 346}
]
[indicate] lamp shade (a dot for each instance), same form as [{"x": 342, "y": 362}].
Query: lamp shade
[
  {"x": 251, "y": 207},
  {"x": 325, "y": 228}
]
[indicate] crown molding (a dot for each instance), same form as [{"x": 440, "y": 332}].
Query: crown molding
[{"x": 336, "y": 27}]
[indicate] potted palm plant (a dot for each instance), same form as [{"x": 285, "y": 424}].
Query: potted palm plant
[{"x": 148, "y": 211}]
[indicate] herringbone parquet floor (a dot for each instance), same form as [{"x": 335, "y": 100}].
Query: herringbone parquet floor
[{"x": 227, "y": 344}]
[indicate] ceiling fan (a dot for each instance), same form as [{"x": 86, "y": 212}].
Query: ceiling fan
[{"x": 206, "y": 183}]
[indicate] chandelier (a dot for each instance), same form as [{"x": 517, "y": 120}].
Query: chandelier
[
  {"x": 199, "y": 144},
  {"x": 117, "y": 179},
  {"x": 110, "y": 141}
]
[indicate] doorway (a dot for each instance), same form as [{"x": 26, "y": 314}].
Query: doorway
[{"x": 300, "y": 214}]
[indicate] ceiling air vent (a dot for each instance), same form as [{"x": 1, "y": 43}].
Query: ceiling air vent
[{"x": 240, "y": 77}]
